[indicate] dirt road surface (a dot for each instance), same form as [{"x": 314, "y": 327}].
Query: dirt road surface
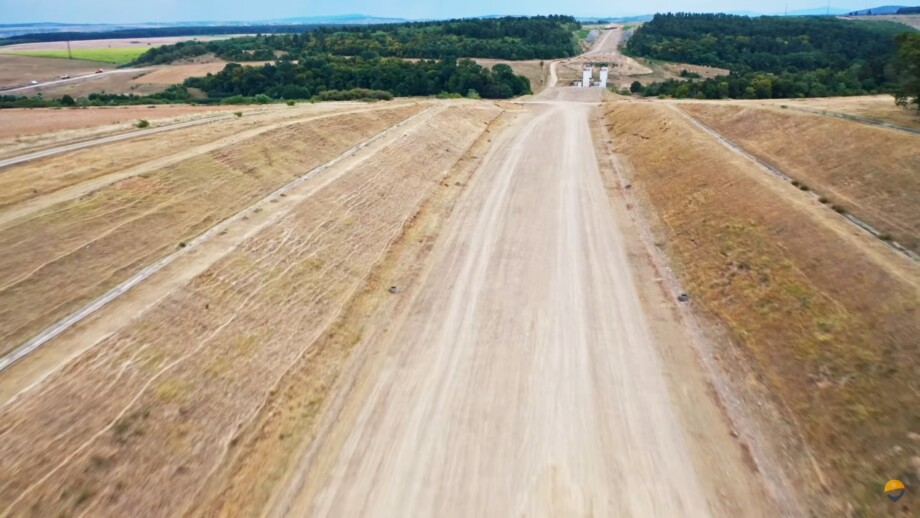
[{"x": 523, "y": 379}]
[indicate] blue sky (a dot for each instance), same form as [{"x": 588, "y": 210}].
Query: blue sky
[{"x": 126, "y": 11}]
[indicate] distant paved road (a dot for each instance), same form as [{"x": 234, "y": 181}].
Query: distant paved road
[{"x": 72, "y": 79}]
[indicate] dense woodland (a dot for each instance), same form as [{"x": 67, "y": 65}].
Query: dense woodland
[
  {"x": 772, "y": 57},
  {"x": 907, "y": 66},
  {"x": 374, "y": 58},
  {"x": 312, "y": 75},
  {"x": 539, "y": 37}
]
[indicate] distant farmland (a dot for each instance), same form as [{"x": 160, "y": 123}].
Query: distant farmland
[{"x": 107, "y": 55}]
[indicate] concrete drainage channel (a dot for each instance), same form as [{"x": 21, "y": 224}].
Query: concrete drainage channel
[
  {"x": 779, "y": 174},
  {"x": 63, "y": 325}
]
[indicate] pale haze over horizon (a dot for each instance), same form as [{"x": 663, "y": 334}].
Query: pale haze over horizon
[{"x": 120, "y": 11}]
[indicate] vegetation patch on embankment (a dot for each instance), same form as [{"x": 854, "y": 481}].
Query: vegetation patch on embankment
[{"x": 825, "y": 316}]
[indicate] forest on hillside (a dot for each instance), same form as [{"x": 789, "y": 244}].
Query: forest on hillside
[
  {"x": 772, "y": 57},
  {"x": 378, "y": 58},
  {"x": 514, "y": 38}
]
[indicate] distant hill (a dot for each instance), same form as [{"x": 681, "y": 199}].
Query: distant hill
[
  {"x": 817, "y": 11},
  {"x": 884, "y": 9},
  {"x": 342, "y": 19}
]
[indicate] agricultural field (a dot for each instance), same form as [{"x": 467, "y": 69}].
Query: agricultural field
[
  {"x": 16, "y": 71},
  {"x": 176, "y": 74},
  {"x": 820, "y": 317},
  {"x": 911, "y": 20},
  {"x": 118, "y": 56},
  {"x": 110, "y": 43}
]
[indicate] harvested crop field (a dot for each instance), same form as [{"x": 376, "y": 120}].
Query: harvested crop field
[
  {"x": 109, "y": 233},
  {"x": 16, "y": 71},
  {"x": 201, "y": 363},
  {"x": 820, "y": 318},
  {"x": 911, "y": 20},
  {"x": 108, "y": 43},
  {"x": 869, "y": 171},
  {"x": 120, "y": 81},
  {"x": 175, "y": 74}
]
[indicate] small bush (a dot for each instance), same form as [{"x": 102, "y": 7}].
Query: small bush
[
  {"x": 143, "y": 123},
  {"x": 885, "y": 236},
  {"x": 449, "y": 95},
  {"x": 784, "y": 106},
  {"x": 822, "y": 199},
  {"x": 473, "y": 94},
  {"x": 238, "y": 114},
  {"x": 290, "y": 103},
  {"x": 804, "y": 187},
  {"x": 838, "y": 209},
  {"x": 796, "y": 183}
]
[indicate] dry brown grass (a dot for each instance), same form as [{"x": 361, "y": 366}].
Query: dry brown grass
[
  {"x": 22, "y": 123},
  {"x": 54, "y": 261},
  {"x": 826, "y": 317},
  {"x": 873, "y": 107},
  {"x": 110, "y": 43},
  {"x": 171, "y": 395},
  {"x": 869, "y": 171},
  {"x": 117, "y": 83},
  {"x": 911, "y": 20},
  {"x": 176, "y": 74}
]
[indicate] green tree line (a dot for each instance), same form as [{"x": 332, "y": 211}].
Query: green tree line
[
  {"x": 772, "y": 57},
  {"x": 311, "y": 76},
  {"x": 514, "y": 38}
]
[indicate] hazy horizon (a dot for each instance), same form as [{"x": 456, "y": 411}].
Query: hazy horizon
[{"x": 171, "y": 11}]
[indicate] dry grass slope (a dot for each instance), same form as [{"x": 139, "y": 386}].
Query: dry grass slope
[
  {"x": 827, "y": 318},
  {"x": 871, "y": 172},
  {"x": 163, "y": 403},
  {"x": 109, "y": 234}
]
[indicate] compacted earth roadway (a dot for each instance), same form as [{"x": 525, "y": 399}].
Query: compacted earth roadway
[{"x": 523, "y": 379}]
